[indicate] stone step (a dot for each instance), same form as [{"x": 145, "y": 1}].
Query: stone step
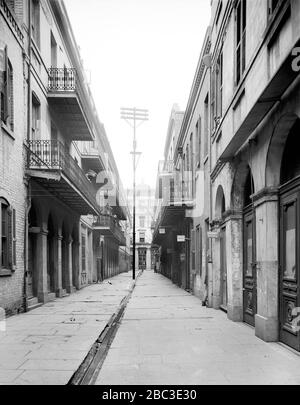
[
  {"x": 64, "y": 293},
  {"x": 51, "y": 296},
  {"x": 32, "y": 303}
]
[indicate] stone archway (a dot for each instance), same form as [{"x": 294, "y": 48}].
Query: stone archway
[
  {"x": 276, "y": 148},
  {"x": 286, "y": 176}
]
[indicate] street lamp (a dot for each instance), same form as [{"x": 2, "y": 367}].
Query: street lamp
[{"x": 132, "y": 116}]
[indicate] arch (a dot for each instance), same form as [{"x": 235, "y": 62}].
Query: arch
[
  {"x": 276, "y": 148},
  {"x": 220, "y": 206},
  {"x": 290, "y": 164},
  {"x": 240, "y": 182}
]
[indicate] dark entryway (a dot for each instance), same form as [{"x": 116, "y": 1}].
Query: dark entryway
[
  {"x": 249, "y": 263},
  {"x": 289, "y": 299}
]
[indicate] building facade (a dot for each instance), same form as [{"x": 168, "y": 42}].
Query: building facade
[
  {"x": 145, "y": 200},
  {"x": 250, "y": 243},
  {"x": 62, "y": 201}
]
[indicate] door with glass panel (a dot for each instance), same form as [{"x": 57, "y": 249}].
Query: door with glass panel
[
  {"x": 289, "y": 270},
  {"x": 249, "y": 290}
]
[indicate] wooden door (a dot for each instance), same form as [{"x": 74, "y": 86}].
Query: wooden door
[
  {"x": 223, "y": 262},
  {"x": 30, "y": 269},
  {"x": 249, "y": 269},
  {"x": 289, "y": 270}
]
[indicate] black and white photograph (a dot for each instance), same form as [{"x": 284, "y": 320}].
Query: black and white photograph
[{"x": 149, "y": 195}]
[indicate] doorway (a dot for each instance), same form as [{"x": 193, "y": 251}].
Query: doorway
[
  {"x": 223, "y": 263},
  {"x": 249, "y": 263},
  {"x": 289, "y": 270}
]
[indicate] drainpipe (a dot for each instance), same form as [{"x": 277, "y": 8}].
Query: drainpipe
[
  {"x": 207, "y": 59},
  {"x": 28, "y": 199}
]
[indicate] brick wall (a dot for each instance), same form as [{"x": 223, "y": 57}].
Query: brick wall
[{"x": 12, "y": 186}]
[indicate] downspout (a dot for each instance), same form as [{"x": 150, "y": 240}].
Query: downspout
[
  {"x": 210, "y": 258},
  {"x": 28, "y": 199}
]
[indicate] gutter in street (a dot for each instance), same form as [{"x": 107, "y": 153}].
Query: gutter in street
[{"x": 88, "y": 371}]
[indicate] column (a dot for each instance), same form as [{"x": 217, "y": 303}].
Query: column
[
  {"x": 70, "y": 288},
  {"x": 234, "y": 257},
  {"x": 216, "y": 273},
  {"x": 58, "y": 265},
  {"x": 76, "y": 264},
  {"x": 41, "y": 265},
  {"x": 148, "y": 258},
  {"x": 267, "y": 233}
]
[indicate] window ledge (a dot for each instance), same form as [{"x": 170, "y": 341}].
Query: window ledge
[
  {"x": 5, "y": 273},
  {"x": 8, "y": 131}
]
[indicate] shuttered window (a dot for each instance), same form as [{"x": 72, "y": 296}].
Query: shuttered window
[
  {"x": 6, "y": 92},
  {"x": 7, "y": 236}
]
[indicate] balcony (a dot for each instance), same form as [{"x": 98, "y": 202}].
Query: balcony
[
  {"x": 108, "y": 226},
  {"x": 65, "y": 97},
  {"x": 91, "y": 159},
  {"x": 175, "y": 198},
  {"x": 51, "y": 165}
]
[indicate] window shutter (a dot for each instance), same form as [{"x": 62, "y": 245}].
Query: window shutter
[
  {"x": 5, "y": 106},
  {"x": 14, "y": 239},
  {"x": 10, "y": 238}
]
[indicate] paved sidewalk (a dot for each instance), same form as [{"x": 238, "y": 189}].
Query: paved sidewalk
[
  {"x": 167, "y": 337},
  {"x": 47, "y": 345}
]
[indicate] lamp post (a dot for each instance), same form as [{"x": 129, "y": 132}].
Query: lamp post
[{"x": 131, "y": 116}]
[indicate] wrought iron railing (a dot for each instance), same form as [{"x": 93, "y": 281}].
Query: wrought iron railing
[
  {"x": 10, "y": 17},
  {"x": 107, "y": 221},
  {"x": 53, "y": 155},
  {"x": 62, "y": 79}
]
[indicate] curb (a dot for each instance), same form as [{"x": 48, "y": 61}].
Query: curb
[{"x": 89, "y": 369}]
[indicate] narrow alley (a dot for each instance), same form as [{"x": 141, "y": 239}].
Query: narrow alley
[{"x": 167, "y": 337}]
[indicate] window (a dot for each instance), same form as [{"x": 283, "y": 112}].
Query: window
[
  {"x": 142, "y": 237},
  {"x": 35, "y": 122},
  {"x": 6, "y": 93},
  {"x": 142, "y": 222},
  {"x": 219, "y": 9},
  {"x": 192, "y": 186},
  {"x": 206, "y": 115},
  {"x": 198, "y": 141},
  {"x": 219, "y": 86},
  {"x": 240, "y": 48},
  {"x": 35, "y": 21},
  {"x": 8, "y": 236}
]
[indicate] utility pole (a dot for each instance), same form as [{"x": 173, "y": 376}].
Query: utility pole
[{"x": 132, "y": 116}]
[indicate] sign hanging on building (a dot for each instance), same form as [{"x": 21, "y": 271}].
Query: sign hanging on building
[
  {"x": 213, "y": 235},
  {"x": 180, "y": 238},
  {"x": 162, "y": 231}
]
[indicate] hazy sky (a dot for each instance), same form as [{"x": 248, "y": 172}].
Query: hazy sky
[{"x": 143, "y": 54}]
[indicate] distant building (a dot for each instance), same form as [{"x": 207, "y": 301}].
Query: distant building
[{"x": 145, "y": 200}]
